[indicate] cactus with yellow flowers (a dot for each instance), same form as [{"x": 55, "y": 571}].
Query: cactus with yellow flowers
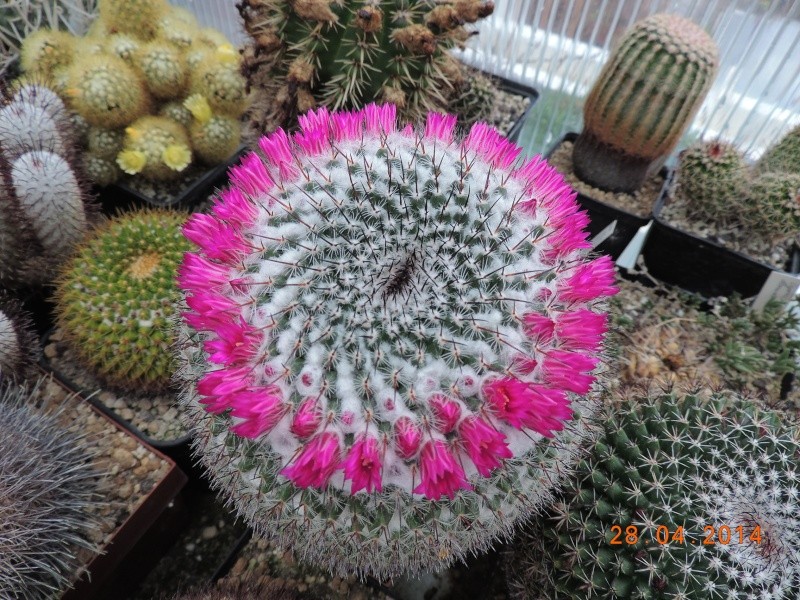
[{"x": 155, "y": 147}]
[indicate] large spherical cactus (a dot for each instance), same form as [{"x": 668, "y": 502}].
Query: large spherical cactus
[
  {"x": 388, "y": 338},
  {"x": 713, "y": 180},
  {"x": 345, "y": 54},
  {"x": 783, "y": 157},
  {"x": 115, "y": 299},
  {"x": 643, "y": 100},
  {"x": 50, "y": 500},
  {"x": 678, "y": 498},
  {"x": 775, "y": 198}
]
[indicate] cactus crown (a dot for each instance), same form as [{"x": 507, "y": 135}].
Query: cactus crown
[
  {"x": 388, "y": 323},
  {"x": 345, "y": 54},
  {"x": 115, "y": 299},
  {"x": 681, "y": 471}
]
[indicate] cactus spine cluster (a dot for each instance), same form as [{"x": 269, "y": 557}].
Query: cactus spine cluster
[
  {"x": 19, "y": 345},
  {"x": 46, "y": 208},
  {"x": 133, "y": 72},
  {"x": 346, "y": 54},
  {"x": 704, "y": 501},
  {"x": 389, "y": 339},
  {"x": 50, "y": 499},
  {"x": 115, "y": 299},
  {"x": 643, "y": 100},
  {"x": 783, "y": 157}
]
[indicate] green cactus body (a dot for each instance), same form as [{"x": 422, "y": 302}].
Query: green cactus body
[
  {"x": 106, "y": 92},
  {"x": 45, "y": 51},
  {"x": 155, "y": 147},
  {"x": 115, "y": 299},
  {"x": 667, "y": 475},
  {"x": 178, "y": 27},
  {"x": 215, "y": 140},
  {"x": 163, "y": 69},
  {"x": 775, "y": 198},
  {"x": 177, "y": 112},
  {"x": 713, "y": 181},
  {"x": 122, "y": 45},
  {"x": 643, "y": 100},
  {"x": 783, "y": 157},
  {"x": 218, "y": 79},
  {"x": 138, "y": 18},
  {"x": 346, "y": 54}
]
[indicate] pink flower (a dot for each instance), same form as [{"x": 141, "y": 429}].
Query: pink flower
[
  {"x": 440, "y": 126},
  {"x": 446, "y": 412},
  {"x": 316, "y": 462},
  {"x": 581, "y": 330},
  {"x": 314, "y": 119},
  {"x": 216, "y": 387},
  {"x": 237, "y": 342},
  {"x": 493, "y": 147},
  {"x": 528, "y": 405},
  {"x": 363, "y": 466},
  {"x": 313, "y": 138},
  {"x": 571, "y": 235},
  {"x": 407, "y": 437},
  {"x": 589, "y": 281},
  {"x": 307, "y": 418},
  {"x": 347, "y": 125},
  {"x": 569, "y": 370},
  {"x": 539, "y": 327},
  {"x": 484, "y": 444},
  {"x": 232, "y": 205},
  {"x": 441, "y": 473},
  {"x": 380, "y": 118},
  {"x": 197, "y": 274},
  {"x": 278, "y": 150},
  {"x": 251, "y": 176},
  {"x": 217, "y": 239},
  {"x": 209, "y": 310},
  {"x": 260, "y": 410}
]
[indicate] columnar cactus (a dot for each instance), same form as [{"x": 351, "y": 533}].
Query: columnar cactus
[
  {"x": 677, "y": 499},
  {"x": 51, "y": 499},
  {"x": 389, "y": 338},
  {"x": 345, "y": 54},
  {"x": 19, "y": 345},
  {"x": 115, "y": 299},
  {"x": 714, "y": 182},
  {"x": 783, "y": 157},
  {"x": 643, "y": 100}
]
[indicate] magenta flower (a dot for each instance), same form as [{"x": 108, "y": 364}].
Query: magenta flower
[
  {"x": 539, "y": 327},
  {"x": 589, "y": 281},
  {"x": 441, "y": 473},
  {"x": 581, "y": 330},
  {"x": 260, "y": 410},
  {"x": 307, "y": 419},
  {"x": 236, "y": 342},
  {"x": 233, "y": 206},
  {"x": 363, "y": 466},
  {"x": 440, "y": 126},
  {"x": 217, "y": 239},
  {"x": 316, "y": 462},
  {"x": 199, "y": 275},
  {"x": 446, "y": 412},
  {"x": 485, "y": 445},
  {"x": 250, "y": 176},
  {"x": 528, "y": 405},
  {"x": 216, "y": 387},
  {"x": 569, "y": 370},
  {"x": 209, "y": 310},
  {"x": 407, "y": 437},
  {"x": 278, "y": 150}
]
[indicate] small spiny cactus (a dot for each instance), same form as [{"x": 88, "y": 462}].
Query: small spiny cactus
[
  {"x": 155, "y": 147},
  {"x": 115, "y": 299},
  {"x": 667, "y": 475},
  {"x": 643, "y": 100},
  {"x": 389, "y": 339},
  {"x": 50, "y": 499},
  {"x": 19, "y": 346},
  {"x": 345, "y": 54},
  {"x": 783, "y": 157},
  {"x": 137, "y": 18},
  {"x": 776, "y": 200}
]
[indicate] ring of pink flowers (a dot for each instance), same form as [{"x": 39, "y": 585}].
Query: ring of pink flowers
[{"x": 543, "y": 407}]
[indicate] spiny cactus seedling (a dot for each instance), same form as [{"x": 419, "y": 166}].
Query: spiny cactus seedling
[
  {"x": 783, "y": 157},
  {"x": 50, "y": 499},
  {"x": 115, "y": 299},
  {"x": 776, "y": 201},
  {"x": 214, "y": 137},
  {"x": 345, "y": 54},
  {"x": 389, "y": 338},
  {"x": 19, "y": 346},
  {"x": 155, "y": 147},
  {"x": 643, "y": 100},
  {"x": 713, "y": 180},
  {"x": 678, "y": 499}
]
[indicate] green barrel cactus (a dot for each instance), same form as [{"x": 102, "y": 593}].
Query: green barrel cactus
[
  {"x": 783, "y": 157},
  {"x": 643, "y": 100},
  {"x": 51, "y": 499},
  {"x": 679, "y": 498},
  {"x": 775, "y": 198},
  {"x": 115, "y": 299},
  {"x": 346, "y": 54},
  {"x": 713, "y": 181}
]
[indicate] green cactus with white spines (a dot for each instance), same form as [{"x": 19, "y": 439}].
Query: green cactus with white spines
[
  {"x": 138, "y": 18},
  {"x": 644, "y": 98},
  {"x": 155, "y": 147},
  {"x": 672, "y": 467},
  {"x": 713, "y": 180},
  {"x": 475, "y": 99},
  {"x": 51, "y": 495},
  {"x": 346, "y": 54},
  {"x": 776, "y": 202},
  {"x": 163, "y": 69},
  {"x": 783, "y": 157},
  {"x": 115, "y": 299}
]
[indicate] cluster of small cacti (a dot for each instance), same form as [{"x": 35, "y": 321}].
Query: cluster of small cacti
[
  {"x": 18, "y": 344},
  {"x": 346, "y": 54},
  {"x": 156, "y": 89},
  {"x": 50, "y": 499},
  {"x": 643, "y": 100},
  {"x": 115, "y": 299},
  {"x": 46, "y": 208},
  {"x": 390, "y": 338},
  {"x": 678, "y": 498}
]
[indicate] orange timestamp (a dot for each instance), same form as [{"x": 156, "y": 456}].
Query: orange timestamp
[{"x": 663, "y": 535}]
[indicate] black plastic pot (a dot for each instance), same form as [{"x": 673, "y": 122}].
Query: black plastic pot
[
  {"x": 601, "y": 215},
  {"x": 521, "y": 90},
  {"x": 122, "y": 196},
  {"x": 703, "y": 266}
]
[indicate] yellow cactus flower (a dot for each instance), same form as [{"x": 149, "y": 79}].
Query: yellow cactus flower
[
  {"x": 133, "y": 133},
  {"x": 226, "y": 53},
  {"x": 177, "y": 156},
  {"x": 199, "y": 107},
  {"x": 131, "y": 161}
]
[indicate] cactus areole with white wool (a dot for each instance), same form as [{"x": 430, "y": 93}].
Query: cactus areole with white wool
[{"x": 390, "y": 338}]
